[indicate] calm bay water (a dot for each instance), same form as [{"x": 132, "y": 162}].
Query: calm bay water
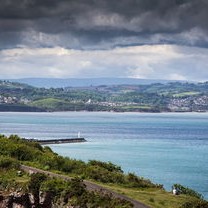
[{"x": 167, "y": 147}]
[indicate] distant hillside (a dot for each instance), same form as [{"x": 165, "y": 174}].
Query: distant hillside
[
  {"x": 73, "y": 82},
  {"x": 157, "y": 97}
]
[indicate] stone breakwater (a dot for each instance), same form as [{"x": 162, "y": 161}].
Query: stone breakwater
[{"x": 59, "y": 141}]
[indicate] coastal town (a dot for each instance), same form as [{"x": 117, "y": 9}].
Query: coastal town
[{"x": 192, "y": 103}]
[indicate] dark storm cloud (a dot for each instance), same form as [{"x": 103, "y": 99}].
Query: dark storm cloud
[{"x": 102, "y": 23}]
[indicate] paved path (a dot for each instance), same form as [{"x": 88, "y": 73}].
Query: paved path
[{"x": 89, "y": 185}]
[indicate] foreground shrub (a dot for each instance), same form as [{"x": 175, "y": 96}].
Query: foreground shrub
[
  {"x": 74, "y": 193},
  {"x": 187, "y": 191},
  {"x": 8, "y": 162},
  {"x": 106, "y": 165}
]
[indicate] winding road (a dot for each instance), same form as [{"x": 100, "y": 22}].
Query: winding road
[{"x": 89, "y": 185}]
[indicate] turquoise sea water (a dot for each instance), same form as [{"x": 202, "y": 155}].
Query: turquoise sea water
[{"x": 167, "y": 147}]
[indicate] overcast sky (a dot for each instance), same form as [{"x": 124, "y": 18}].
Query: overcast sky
[{"x": 153, "y": 39}]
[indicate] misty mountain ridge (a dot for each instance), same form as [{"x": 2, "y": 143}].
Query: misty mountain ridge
[{"x": 84, "y": 82}]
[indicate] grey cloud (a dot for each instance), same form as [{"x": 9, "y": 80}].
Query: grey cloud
[{"x": 102, "y": 23}]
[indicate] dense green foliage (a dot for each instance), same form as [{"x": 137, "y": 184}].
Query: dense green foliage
[
  {"x": 74, "y": 193},
  {"x": 185, "y": 190},
  {"x": 197, "y": 200},
  {"x": 143, "y": 98},
  {"x": 19, "y": 149},
  {"x": 8, "y": 162},
  {"x": 108, "y": 166}
]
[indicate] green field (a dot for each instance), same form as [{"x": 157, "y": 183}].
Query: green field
[{"x": 185, "y": 94}]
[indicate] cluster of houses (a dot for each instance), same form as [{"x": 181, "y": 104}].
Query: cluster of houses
[
  {"x": 12, "y": 100},
  {"x": 110, "y": 104},
  {"x": 8, "y": 100},
  {"x": 190, "y": 103}
]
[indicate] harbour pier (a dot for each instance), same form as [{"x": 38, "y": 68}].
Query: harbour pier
[{"x": 59, "y": 141}]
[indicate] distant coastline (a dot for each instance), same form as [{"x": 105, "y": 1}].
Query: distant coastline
[
  {"x": 142, "y": 112},
  {"x": 35, "y": 110}
]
